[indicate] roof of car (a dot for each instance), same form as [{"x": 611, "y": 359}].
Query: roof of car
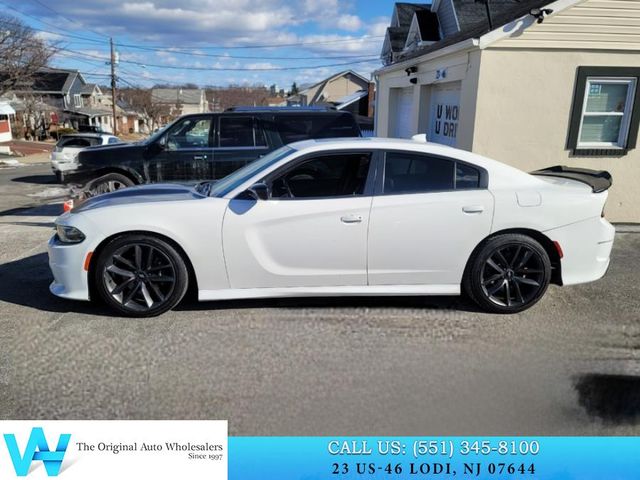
[
  {"x": 88, "y": 135},
  {"x": 373, "y": 142},
  {"x": 500, "y": 171}
]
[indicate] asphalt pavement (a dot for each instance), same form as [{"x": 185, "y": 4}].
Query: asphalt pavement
[{"x": 378, "y": 366}]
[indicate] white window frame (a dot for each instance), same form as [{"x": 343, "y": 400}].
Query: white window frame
[
  {"x": 625, "y": 124},
  {"x": 77, "y": 101}
]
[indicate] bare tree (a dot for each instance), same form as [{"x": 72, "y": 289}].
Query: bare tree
[
  {"x": 22, "y": 53},
  {"x": 140, "y": 99}
]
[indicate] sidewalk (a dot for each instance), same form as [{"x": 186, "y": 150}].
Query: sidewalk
[
  {"x": 37, "y": 158},
  {"x": 23, "y": 148}
]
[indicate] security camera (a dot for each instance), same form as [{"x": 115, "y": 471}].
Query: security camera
[
  {"x": 540, "y": 13},
  {"x": 411, "y": 70}
]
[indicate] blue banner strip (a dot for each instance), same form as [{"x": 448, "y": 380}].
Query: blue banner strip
[{"x": 534, "y": 458}]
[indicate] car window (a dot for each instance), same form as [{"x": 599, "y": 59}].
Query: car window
[
  {"x": 77, "y": 142},
  {"x": 415, "y": 173},
  {"x": 113, "y": 140},
  {"x": 237, "y": 178},
  {"x": 294, "y": 128},
  {"x": 467, "y": 177},
  {"x": 241, "y": 132},
  {"x": 337, "y": 175},
  {"x": 189, "y": 133}
]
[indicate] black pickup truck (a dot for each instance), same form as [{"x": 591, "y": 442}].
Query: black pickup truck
[{"x": 204, "y": 146}]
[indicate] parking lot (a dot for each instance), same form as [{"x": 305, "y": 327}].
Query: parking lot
[{"x": 379, "y": 366}]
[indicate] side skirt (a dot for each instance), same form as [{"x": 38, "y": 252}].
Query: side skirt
[{"x": 360, "y": 290}]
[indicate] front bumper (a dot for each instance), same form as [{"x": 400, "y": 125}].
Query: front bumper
[
  {"x": 587, "y": 249},
  {"x": 66, "y": 261}
]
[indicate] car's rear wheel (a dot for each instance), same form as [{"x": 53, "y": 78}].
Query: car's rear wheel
[
  {"x": 140, "y": 276},
  {"x": 508, "y": 274},
  {"x": 109, "y": 183}
]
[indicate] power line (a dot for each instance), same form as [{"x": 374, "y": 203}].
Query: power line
[
  {"x": 40, "y": 21},
  {"x": 366, "y": 38},
  {"x": 51, "y": 9},
  {"x": 229, "y": 69},
  {"x": 241, "y": 57}
]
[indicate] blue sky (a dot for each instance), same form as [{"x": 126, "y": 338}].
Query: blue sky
[{"x": 214, "y": 39}]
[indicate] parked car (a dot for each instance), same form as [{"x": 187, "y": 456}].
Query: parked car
[
  {"x": 340, "y": 217},
  {"x": 90, "y": 129},
  {"x": 64, "y": 156},
  {"x": 204, "y": 147}
]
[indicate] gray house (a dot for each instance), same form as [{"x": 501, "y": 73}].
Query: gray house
[{"x": 60, "y": 98}]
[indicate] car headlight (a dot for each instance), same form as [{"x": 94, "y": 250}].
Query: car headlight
[{"x": 68, "y": 234}]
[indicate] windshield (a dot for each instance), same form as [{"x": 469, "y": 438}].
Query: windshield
[
  {"x": 237, "y": 178},
  {"x": 154, "y": 136}
]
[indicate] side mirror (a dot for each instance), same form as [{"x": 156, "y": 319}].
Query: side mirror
[
  {"x": 161, "y": 144},
  {"x": 258, "y": 191}
]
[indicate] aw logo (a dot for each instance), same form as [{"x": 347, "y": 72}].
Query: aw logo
[{"x": 37, "y": 450}]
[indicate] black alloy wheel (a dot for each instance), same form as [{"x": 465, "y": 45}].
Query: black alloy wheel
[
  {"x": 141, "y": 276},
  {"x": 508, "y": 274}
]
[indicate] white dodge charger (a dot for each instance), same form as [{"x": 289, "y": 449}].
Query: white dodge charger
[{"x": 340, "y": 218}]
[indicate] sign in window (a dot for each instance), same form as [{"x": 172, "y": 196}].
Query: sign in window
[{"x": 606, "y": 112}]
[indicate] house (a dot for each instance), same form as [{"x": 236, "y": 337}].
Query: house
[
  {"x": 55, "y": 98},
  {"x": 330, "y": 90},
  {"x": 532, "y": 83},
  {"x": 7, "y": 113},
  {"x": 179, "y": 101},
  {"x": 128, "y": 119},
  {"x": 397, "y": 34}
]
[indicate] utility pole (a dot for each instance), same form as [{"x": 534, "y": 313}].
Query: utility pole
[{"x": 113, "y": 86}]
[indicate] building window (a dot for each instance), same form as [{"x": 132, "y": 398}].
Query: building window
[
  {"x": 77, "y": 101},
  {"x": 606, "y": 111}
]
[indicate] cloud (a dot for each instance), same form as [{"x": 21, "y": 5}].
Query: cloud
[
  {"x": 318, "y": 28},
  {"x": 349, "y": 22}
]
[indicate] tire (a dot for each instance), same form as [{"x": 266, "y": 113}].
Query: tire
[
  {"x": 508, "y": 273},
  {"x": 109, "y": 183},
  {"x": 140, "y": 276}
]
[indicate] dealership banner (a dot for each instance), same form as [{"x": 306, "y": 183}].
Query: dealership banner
[{"x": 201, "y": 450}]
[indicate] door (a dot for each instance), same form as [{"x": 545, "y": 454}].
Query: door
[
  {"x": 311, "y": 232},
  {"x": 187, "y": 155},
  {"x": 429, "y": 215},
  {"x": 240, "y": 140},
  {"x": 444, "y": 114},
  {"x": 403, "y": 113}
]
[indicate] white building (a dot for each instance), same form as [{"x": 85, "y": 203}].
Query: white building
[{"x": 546, "y": 83}]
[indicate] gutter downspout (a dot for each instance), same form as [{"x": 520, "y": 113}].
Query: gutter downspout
[{"x": 376, "y": 79}]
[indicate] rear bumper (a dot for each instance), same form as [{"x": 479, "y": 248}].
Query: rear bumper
[
  {"x": 63, "y": 166},
  {"x": 587, "y": 249}
]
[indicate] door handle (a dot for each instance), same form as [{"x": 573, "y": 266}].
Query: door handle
[
  {"x": 473, "y": 209},
  {"x": 351, "y": 219},
  {"x": 199, "y": 157}
]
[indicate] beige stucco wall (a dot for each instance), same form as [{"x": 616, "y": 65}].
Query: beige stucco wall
[
  {"x": 523, "y": 110},
  {"x": 341, "y": 87},
  {"x": 460, "y": 67}
]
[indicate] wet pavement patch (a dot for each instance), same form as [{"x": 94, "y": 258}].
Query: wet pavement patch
[{"x": 612, "y": 398}]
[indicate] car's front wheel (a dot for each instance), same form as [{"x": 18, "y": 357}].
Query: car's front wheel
[
  {"x": 140, "y": 276},
  {"x": 508, "y": 274}
]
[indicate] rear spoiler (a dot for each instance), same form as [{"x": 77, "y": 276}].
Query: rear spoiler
[{"x": 598, "y": 180}]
